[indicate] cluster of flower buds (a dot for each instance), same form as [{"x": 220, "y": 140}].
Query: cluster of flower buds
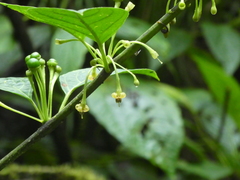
[{"x": 37, "y": 77}]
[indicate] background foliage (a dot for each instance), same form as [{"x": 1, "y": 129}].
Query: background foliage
[{"x": 186, "y": 126}]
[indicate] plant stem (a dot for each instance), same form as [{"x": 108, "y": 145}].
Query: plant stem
[
  {"x": 19, "y": 112},
  {"x": 50, "y": 125},
  {"x": 103, "y": 57}
]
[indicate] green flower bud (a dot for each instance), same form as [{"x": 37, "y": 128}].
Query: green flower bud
[
  {"x": 52, "y": 62},
  {"x": 27, "y": 58},
  {"x": 58, "y": 69},
  {"x": 42, "y": 61},
  {"x": 29, "y": 73},
  {"x": 129, "y": 6},
  {"x": 126, "y": 43},
  {"x": 93, "y": 62},
  {"x": 213, "y": 9},
  {"x": 35, "y": 55},
  {"x": 33, "y": 63},
  {"x": 136, "y": 82},
  {"x": 182, "y": 5}
]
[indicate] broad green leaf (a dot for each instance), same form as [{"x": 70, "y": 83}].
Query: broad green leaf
[
  {"x": 148, "y": 122},
  {"x": 17, "y": 85},
  {"x": 224, "y": 43},
  {"x": 207, "y": 169},
  {"x": 70, "y": 56},
  {"x": 74, "y": 79},
  {"x": 99, "y": 24},
  {"x": 219, "y": 83}
]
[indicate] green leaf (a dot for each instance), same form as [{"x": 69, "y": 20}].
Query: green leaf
[
  {"x": 219, "y": 83},
  {"x": 207, "y": 169},
  {"x": 17, "y": 85},
  {"x": 224, "y": 43},
  {"x": 148, "y": 122},
  {"x": 99, "y": 24},
  {"x": 70, "y": 56},
  {"x": 146, "y": 72},
  {"x": 74, "y": 79}
]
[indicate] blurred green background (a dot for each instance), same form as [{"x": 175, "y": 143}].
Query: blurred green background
[{"x": 185, "y": 127}]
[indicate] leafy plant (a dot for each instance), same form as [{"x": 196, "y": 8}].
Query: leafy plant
[{"x": 137, "y": 120}]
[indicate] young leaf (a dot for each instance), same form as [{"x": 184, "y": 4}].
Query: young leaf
[
  {"x": 17, "y": 85},
  {"x": 99, "y": 24},
  {"x": 74, "y": 79},
  {"x": 148, "y": 122}
]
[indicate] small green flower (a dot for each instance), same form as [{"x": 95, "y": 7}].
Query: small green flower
[
  {"x": 118, "y": 96},
  {"x": 82, "y": 108},
  {"x": 182, "y": 5}
]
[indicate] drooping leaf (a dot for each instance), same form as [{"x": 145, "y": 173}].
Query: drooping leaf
[
  {"x": 74, "y": 79},
  {"x": 148, "y": 122},
  {"x": 220, "y": 84},
  {"x": 99, "y": 24},
  {"x": 71, "y": 55},
  {"x": 17, "y": 85},
  {"x": 146, "y": 72},
  {"x": 224, "y": 43}
]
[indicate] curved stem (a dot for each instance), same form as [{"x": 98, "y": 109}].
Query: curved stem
[
  {"x": 50, "y": 125},
  {"x": 19, "y": 112}
]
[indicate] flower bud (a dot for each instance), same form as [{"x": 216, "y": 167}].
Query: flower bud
[
  {"x": 27, "y": 58},
  {"x": 129, "y": 6},
  {"x": 213, "y": 9},
  {"x": 35, "y": 55},
  {"x": 33, "y": 63},
  {"x": 52, "y": 62},
  {"x": 58, "y": 69},
  {"x": 136, "y": 82},
  {"x": 182, "y": 5},
  {"x": 29, "y": 73}
]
